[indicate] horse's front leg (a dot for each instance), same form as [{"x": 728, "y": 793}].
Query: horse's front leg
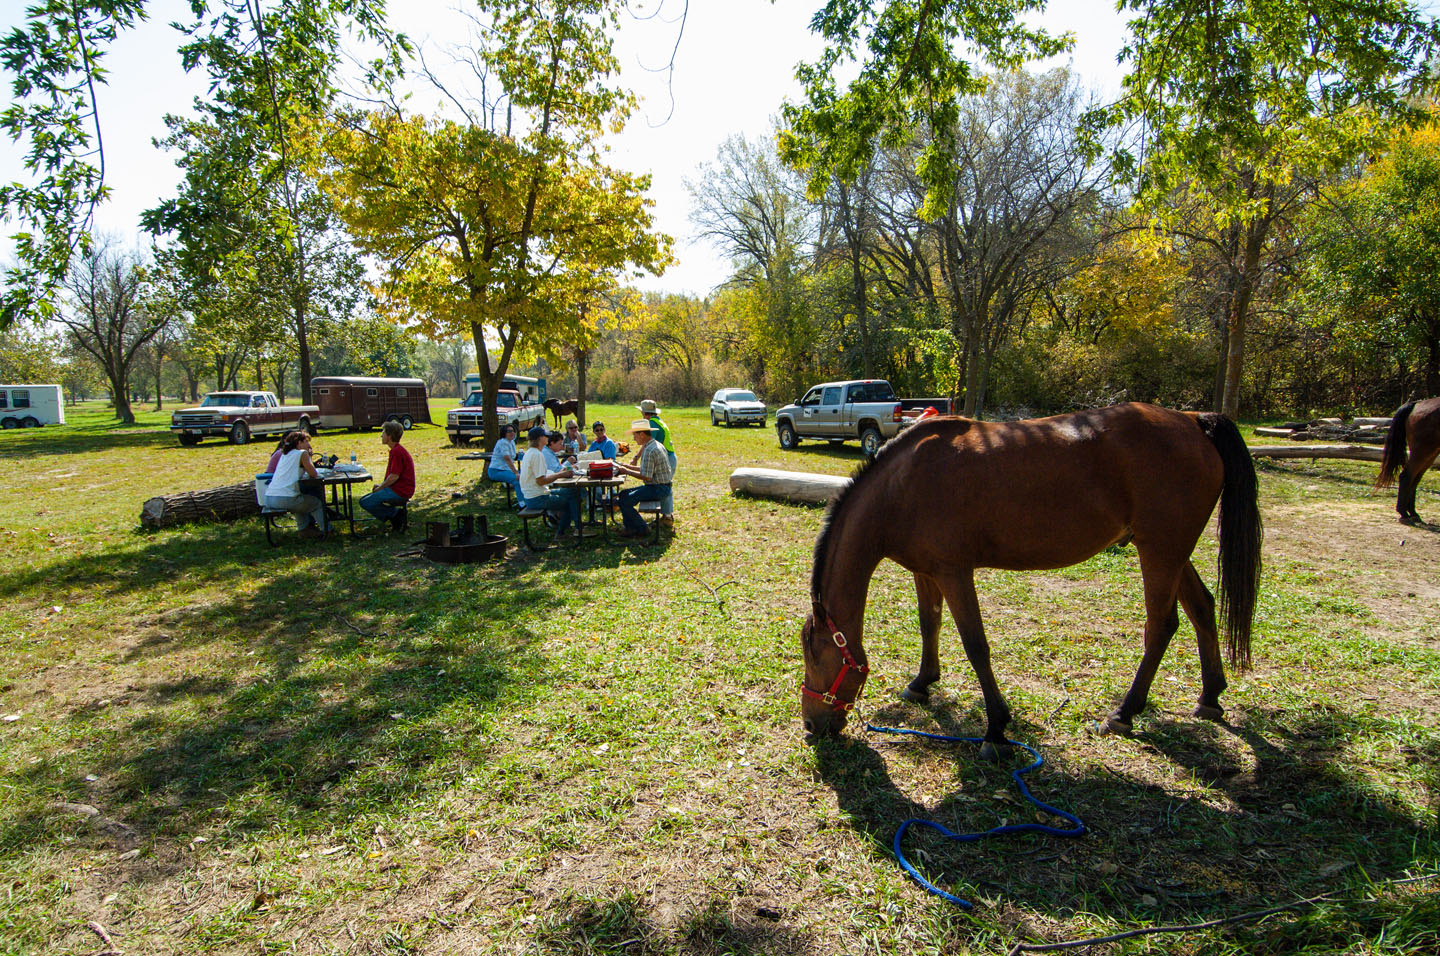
[
  {"x": 932, "y": 606},
  {"x": 965, "y": 606}
]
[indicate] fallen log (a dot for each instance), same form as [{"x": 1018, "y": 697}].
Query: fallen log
[
  {"x": 1353, "y": 452},
  {"x": 1265, "y": 432},
  {"x": 802, "y": 486},
  {"x": 225, "y": 503}
]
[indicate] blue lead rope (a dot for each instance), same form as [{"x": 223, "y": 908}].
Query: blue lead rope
[{"x": 1077, "y": 830}]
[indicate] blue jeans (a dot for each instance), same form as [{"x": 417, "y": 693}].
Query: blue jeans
[
  {"x": 563, "y": 500},
  {"x": 307, "y": 509},
  {"x": 667, "y": 507},
  {"x": 382, "y": 503},
  {"x": 631, "y": 496},
  {"x": 507, "y": 477}
]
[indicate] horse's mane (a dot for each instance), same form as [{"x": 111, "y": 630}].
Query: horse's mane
[{"x": 863, "y": 476}]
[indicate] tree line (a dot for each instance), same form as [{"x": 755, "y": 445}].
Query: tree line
[{"x": 1225, "y": 232}]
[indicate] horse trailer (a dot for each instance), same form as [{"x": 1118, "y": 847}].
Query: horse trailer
[
  {"x": 354, "y": 402},
  {"x": 532, "y": 390},
  {"x": 30, "y": 406}
]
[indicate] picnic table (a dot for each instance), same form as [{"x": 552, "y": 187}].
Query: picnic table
[
  {"x": 594, "y": 489},
  {"x": 341, "y": 485}
]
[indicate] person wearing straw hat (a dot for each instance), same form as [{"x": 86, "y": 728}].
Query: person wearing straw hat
[
  {"x": 653, "y": 469},
  {"x": 661, "y": 432}
]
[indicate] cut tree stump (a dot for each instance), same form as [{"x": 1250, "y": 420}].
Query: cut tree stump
[
  {"x": 802, "y": 486},
  {"x": 212, "y": 504},
  {"x": 1353, "y": 452}
]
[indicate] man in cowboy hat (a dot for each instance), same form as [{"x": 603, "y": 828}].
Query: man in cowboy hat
[
  {"x": 661, "y": 433},
  {"x": 653, "y": 469}
]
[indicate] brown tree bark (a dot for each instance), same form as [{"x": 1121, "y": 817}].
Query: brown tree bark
[{"x": 225, "y": 503}]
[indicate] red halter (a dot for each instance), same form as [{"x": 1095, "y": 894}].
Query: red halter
[{"x": 848, "y": 663}]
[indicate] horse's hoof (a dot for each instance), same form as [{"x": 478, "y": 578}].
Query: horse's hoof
[
  {"x": 1206, "y": 712},
  {"x": 989, "y": 752},
  {"x": 1114, "y": 725},
  {"x": 915, "y": 696}
]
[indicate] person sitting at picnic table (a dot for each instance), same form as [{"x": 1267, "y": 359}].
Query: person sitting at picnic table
[
  {"x": 555, "y": 452},
  {"x": 275, "y": 456},
  {"x": 574, "y": 442},
  {"x": 283, "y": 492},
  {"x": 661, "y": 431},
  {"x": 604, "y": 445},
  {"x": 399, "y": 484},
  {"x": 537, "y": 477},
  {"x": 504, "y": 464},
  {"x": 653, "y": 469}
]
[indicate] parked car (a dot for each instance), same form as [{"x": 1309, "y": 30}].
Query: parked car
[
  {"x": 348, "y": 401},
  {"x": 737, "y": 406},
  {"x": 30, "y": 406},
  {"x": 866, "y": 409},
  {"x": 240, "y": 415},
  {"x": 468, "y": 421}
]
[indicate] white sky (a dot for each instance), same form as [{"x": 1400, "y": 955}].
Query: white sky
[{"x": 734, "y": 67}]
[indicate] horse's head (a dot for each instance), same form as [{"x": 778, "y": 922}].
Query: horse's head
[{"x": 834, "y": 676}]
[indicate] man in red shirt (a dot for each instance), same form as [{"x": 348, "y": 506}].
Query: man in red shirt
[{"x": 399, "y": 484}]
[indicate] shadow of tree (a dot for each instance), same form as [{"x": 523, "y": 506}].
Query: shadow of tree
[
  {"x": 1295, "y": 821},
  {"x": 85, "y": 439},
  {"x": 591, "y": 924}
]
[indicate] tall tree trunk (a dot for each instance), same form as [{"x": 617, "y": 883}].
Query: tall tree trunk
[
  {"x": 582, "y": 364},
  {"x": 302, "y": 346},
  {"x": 120, "y": 396},
  {"x": 159, "y": 358},
  {"x": 1222, "y": 329}
]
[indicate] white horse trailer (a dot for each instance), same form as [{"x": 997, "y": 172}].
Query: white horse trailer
[{"x": 30, "y": 406}]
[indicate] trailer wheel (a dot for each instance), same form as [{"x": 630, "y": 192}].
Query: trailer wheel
[
  {"x": 9, "y": 422},
  {"x": 406, "y": 422},
  {"x": 240, "y": 434},
  {"x": 29, "y": 421}
]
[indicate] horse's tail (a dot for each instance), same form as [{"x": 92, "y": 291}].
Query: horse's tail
[
  {"x": 1394, "y": 457},
  {"x": 1241, "y": 535}
]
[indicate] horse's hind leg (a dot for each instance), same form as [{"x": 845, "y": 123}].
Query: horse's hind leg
[
  {"x": 1199, "y": 607},
  {"x": 960, "y": 595},
  {"x": 1162, "y": 581},
  {"x": 932, "y": 606},
  {"x": 1405, "y": 500}
]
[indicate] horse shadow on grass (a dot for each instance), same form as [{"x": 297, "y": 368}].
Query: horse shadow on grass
[{"x": 1288, "y": 820}]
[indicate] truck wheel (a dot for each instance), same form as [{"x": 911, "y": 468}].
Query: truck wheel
[
  {"x": 459, "y": 441},
  {"x": 786, "y": 433},
  {"x": 406, "y": 422},
  {"x": 713, "y": 420},
  {"x": 189, "y": 441},
  {"x": 308, "y": 427},
  {"x": 727, "y": 419},
  {"x": 870, "y": 441},
  {"x": 29, "y": 421},
  {"x": 240, "y": 434}
]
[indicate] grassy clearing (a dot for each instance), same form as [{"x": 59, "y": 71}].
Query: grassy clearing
[{"x": 221, "y": 747}]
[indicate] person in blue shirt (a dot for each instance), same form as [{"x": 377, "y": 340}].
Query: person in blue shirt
[
  {"x": 603, "y": 444},
  {"x": 505, "y": 463},
  {"x": 553, "y": 448}
]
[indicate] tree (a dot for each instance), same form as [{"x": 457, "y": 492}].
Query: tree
[
  {"x": 56, "y": 58},
  {"x": 108, "y": 318},
  {"x": 506, "y": 226},
  {"x": 29, "y": 355},
  {"x": 1238, "y": 99},
  {"x": 1377, "y": 254},
  {"x": 911, "y": 76}
]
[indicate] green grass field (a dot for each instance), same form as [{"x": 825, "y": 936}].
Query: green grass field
[{"x": 213, "y": 746}]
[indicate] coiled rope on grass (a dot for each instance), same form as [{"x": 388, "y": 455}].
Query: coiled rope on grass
[{"x": 1076, "y": 829}]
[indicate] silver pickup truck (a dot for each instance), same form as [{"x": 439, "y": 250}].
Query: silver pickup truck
[{"x": 866, "y": 409}]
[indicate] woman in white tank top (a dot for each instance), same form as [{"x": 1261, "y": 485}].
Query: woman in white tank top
[{"x": 284, "y": 493}]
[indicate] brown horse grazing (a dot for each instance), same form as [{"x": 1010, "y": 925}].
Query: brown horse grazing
[
  {"x": 950, "y": 495},
  {"x": 1416, "y": 424},
  {"x": 560, "y": 409}
]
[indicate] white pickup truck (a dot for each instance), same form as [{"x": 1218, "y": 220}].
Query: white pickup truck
[
  {"x": 239, "y": 415},
  {"x": 866, "y": 409},
  {"x": 468, "y": 421}
]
